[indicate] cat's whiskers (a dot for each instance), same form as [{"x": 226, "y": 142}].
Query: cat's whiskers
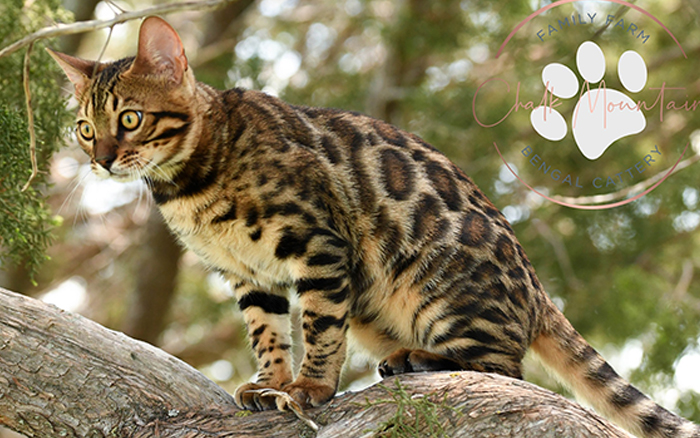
[
  {"x": 146, "y": 179},
  {"x": 77, "y": 183},
  {"x": 148, "y": 182},
  {"x": 138, "y": 174},
  {"x": 73, "y": 189},
  {"x": 81, "y": 212},
  {"x": 149, "y": 164}
]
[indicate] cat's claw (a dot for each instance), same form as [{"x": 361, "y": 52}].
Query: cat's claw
[{"x": 285, "y": 402}]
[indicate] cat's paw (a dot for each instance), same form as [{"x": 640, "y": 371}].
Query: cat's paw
[
  {"x": 396, "y": 363},
  {"x": 252, "y": 397},
  {"x": 307, "y": 393},
  {"x": 409, "y": 361}
]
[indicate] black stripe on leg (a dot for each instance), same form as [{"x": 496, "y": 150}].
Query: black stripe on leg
[
  {"x": 323, "y": 284},
  {"x": 323, "y": 323},
  {"x": 267, "y": 302},
  {"x": 291, "y": 244},
  {"x": 340, "y": 296},
  {"x": 324, "y": 259},
  {"x": 313, "y": 373}
]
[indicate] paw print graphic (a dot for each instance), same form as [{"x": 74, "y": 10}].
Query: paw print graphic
[{"x": 602, "y": 116}]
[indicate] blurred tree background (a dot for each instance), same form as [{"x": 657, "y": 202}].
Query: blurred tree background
[{"x": 625, "y": 277}]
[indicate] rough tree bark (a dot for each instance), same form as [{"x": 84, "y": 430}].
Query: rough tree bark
[{"x": 62, "y": 375}]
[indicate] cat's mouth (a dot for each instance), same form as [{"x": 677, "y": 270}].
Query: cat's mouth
[
  {"x": 119, "y": 173},
  {"x": 125, "y": 178},
  {"x": 135, "y": 169},
  {"x": 115, "y": 174}
]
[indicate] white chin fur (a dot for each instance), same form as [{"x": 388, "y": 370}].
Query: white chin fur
[
  {"x": 124, "y": 178},
  {"x": 102, "y": 173}
]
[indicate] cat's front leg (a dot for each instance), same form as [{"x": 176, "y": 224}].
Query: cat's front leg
[
  {"x": 324, "y": 298},
  {"x": 266, "y": 314}
]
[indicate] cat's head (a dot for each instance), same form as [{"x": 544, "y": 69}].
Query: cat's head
[{"x": 137, "y": 115}]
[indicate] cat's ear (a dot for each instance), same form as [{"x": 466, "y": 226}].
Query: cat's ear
[
  {"x": 79, "y": 71},
  {"x": 160, "y": 51}
]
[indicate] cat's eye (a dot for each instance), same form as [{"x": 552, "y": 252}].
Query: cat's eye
[
  {"x": 86, "y": 131},
  {"x": 130, "y": 120}
]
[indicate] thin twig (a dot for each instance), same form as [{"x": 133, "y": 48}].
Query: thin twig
[
  {"x": 114, "y": 6},
  {"x": 30, "y": 117},
  {"x": 86, "y": 26},
  {"x": 104, "y": 49}
]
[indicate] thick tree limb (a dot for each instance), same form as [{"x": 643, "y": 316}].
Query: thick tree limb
[
  {"x": 61, "y": 371},
  {"x": 62, "y": 375}
]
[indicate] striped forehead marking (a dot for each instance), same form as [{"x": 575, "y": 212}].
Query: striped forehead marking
[{"x": 104, "y": 83}]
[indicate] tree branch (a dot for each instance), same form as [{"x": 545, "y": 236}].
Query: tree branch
[
  {"x": 86, "y": 26},
  {"x": 30, "y": 117},
  {"x": 63, "y": 372},
  {"x": 62, "y": 375}
]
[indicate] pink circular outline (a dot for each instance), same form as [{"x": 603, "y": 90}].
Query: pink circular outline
[
  {"x": 561, "y": 2},
  {"x": 599, "y": 206}
]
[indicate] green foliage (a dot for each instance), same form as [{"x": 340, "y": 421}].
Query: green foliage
[
  {"x": 415, "y": 416},
  {"x": 24, "y": 224},
  {"x": 25, "y": 220}
]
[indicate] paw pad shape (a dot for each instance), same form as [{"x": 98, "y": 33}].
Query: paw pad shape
[{"x": 601, "y": 116}]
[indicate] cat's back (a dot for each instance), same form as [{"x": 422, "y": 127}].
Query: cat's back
[
  {"x": 381, "y": 167},
  {"x": 392, "y": 187}
]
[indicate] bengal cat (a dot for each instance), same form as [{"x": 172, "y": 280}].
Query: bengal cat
[{"x": 383, "y": 239}]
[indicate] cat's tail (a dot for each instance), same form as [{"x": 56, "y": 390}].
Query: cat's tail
[{"x": 578, "y": 366}]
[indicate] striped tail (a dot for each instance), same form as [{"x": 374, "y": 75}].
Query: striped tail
[{"x": 578, "y": 366}]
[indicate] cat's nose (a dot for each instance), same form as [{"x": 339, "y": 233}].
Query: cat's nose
[
  {"x": 106, "y": 160},
  {"x": 106, "y": 152}
]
